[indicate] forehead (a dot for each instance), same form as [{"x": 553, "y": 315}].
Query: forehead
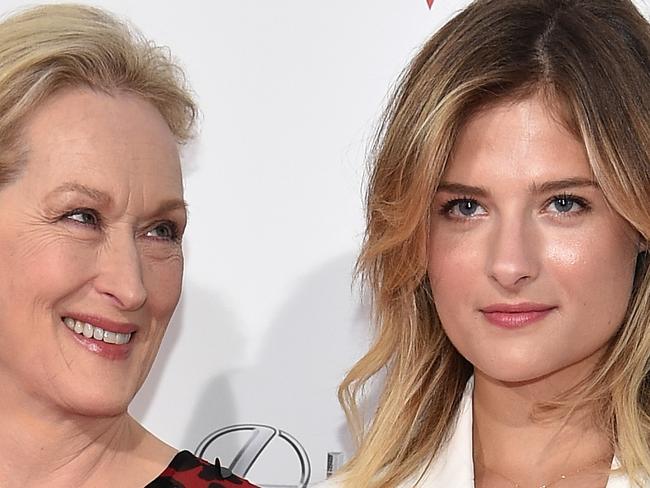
[
  {"x": 521, "y": 139},
  {"x": 108, "y": 141}
]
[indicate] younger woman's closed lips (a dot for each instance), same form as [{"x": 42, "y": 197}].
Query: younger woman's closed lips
[{"x": 517, "y": 315}]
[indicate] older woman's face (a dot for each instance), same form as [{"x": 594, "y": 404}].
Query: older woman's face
[
  {"x": 530, "y": 270},
  {"x": 90, "y": 240}
]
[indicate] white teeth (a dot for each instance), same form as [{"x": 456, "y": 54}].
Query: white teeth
[
  {"x": 88, "y": 331},
  {"x": 96, "y": 333},
  {"x": 121, "y": 338},
  {"x": 109, "y": 337}
]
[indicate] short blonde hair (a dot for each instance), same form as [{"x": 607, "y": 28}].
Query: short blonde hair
[
  {"x": 51, "y": 47},
  {"x": 590, "y": 59}
]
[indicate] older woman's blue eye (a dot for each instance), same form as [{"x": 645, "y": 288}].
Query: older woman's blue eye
[
  {"x": 83, "y": 217},
  {"x": 165, "y": 231}
]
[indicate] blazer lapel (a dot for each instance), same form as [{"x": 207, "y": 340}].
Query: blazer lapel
[{"x": 454, "y": 465}]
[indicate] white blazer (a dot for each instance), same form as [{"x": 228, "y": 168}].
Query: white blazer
[{"x": 454, "y": 465}]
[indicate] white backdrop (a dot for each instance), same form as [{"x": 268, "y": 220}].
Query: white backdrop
[{"x": 268, "y": 323}]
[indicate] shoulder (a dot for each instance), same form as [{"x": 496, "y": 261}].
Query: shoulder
[{"x": 188, "y": 471}]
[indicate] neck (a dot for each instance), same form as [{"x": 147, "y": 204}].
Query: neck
[
  {"x": 510, "y": 439},
  {"x": 44, "y": 445}
]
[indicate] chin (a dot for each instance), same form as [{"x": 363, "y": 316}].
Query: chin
[
  {"x": 98, "y": 401},
  {"x": 519, "y": 367},
  {"x": 512, "y": 378},
  {"x": 515, "y": 370}
]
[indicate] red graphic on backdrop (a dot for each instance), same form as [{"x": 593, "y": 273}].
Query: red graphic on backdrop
[{"x": 429, "y": 2}]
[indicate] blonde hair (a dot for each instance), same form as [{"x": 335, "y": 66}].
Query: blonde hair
[
  {"x": 51, "y": 47},
  {"x": 590, "y": 59}
]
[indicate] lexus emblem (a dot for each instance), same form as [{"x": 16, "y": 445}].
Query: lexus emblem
[{"x": 260, "y": 437}]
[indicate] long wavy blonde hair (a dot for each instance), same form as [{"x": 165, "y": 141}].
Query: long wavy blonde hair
[{"x": 590, "y": 59}]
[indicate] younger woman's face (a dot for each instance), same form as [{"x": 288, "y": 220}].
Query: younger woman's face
[{"x": 530, "y": 269}]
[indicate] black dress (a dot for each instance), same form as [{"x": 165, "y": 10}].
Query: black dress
[{"x": 188, "y": 471}]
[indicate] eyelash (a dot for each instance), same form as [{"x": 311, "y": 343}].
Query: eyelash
[
  {"x": 173, "y": 231},
  {"x": 584, "y": 204},
  {"x": 98, "y": 224},
  {"x": 98, "y": 221},
  {"x": 447, "y": 207}
]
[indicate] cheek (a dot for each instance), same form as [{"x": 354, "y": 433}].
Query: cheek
[
  {"x": 564, "y": 254},
  {"x": 46, "y": 266},
  {"x": 454, "y": 258},
  {"x": 163, "y": 281},
  {"x": 594, "y": 275},
  {"x": 455, "y": 264}
]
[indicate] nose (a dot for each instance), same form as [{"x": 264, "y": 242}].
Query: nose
[
  {"x": 120, "y": 276},
  {"x": 512, "y": 258}
]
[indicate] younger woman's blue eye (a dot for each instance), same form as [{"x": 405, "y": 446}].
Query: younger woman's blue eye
[
  {"x": 467, "y": 208},
  {"x": 563, "y": 204},
  {"x": 463, "y": 207},
  {"x": 567, "y": 204}
]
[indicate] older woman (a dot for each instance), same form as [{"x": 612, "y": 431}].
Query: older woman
[
  {"x": 91, "y": 221},
  {"x": 506, "y": 255}
]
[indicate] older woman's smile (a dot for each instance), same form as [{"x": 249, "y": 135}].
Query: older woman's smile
[
  {"x": 107, "y": 333},
  {"x": 103, "y": 341}
]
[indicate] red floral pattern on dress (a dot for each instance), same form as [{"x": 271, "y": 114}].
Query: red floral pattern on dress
[{"x": 188, "y": 471}]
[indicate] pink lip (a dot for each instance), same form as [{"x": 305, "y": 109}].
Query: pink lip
[
  {"x": 101, "y": 348},
  {"x": 515, "y": 316}
]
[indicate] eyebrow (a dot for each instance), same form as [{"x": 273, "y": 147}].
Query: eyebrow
[
  {"x": 105, "y": 199},
  {"x": 92, "y": 193},
  {"x": 463, "y": 189},
  {"x": 559, "y": 185},
  {"x": 171, "y": 205},
  {"x": 546, "y": 187}
]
